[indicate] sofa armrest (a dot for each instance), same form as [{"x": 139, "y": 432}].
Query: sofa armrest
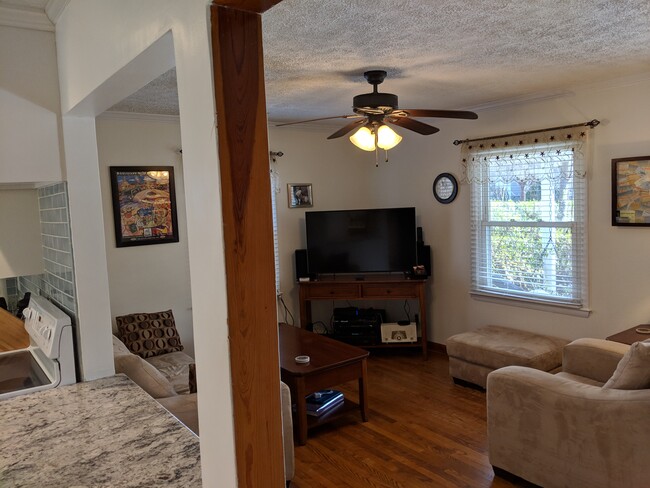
[
  {"x": 144, "y": 375},
  {"x": 593, "y": 358},
  {"x": 554, "y": 431},
  {"x": 287, "y": 432},
  {"x": 184, "y": 408}
]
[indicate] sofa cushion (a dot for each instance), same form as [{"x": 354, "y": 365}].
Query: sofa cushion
[
  {"x": 176, "y": 368},
  {"x": 633, "y": 371},
  {"x": 144, "y": 375},
  {"x": 149, "y": 334}
]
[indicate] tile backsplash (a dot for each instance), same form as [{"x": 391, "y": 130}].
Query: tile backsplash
[{"x": 57, "y": 283}]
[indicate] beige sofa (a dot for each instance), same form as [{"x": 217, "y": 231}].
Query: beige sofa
[
  {"x": 166, "y": 378},
  {"x": 570, "y": 429}
]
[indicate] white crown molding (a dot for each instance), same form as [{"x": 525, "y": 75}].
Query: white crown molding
[
  {"x": 612, "y": 83},
  {"x": 619, "y": 82},
  {"x": 55, "y": 8},
  {"x": 170, "y": 119},
  {"x": 25, "y": 18},
  {"x": 520, "y": 100}
]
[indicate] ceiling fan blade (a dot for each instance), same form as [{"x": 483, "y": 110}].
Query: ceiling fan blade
[
  {"x": 445, "y": 114},
  {"x": 352, "y": 116},
  {"x": 344, "y": 130},
  {"x": 414, "y": 125}
]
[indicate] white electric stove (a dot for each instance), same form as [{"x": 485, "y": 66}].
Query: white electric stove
[{"x": 48, "y": 362}]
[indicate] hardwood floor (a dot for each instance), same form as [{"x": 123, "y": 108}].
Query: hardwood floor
[{"x": 423, "y": 431}]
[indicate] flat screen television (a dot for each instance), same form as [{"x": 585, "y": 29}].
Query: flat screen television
[{"x": 361, "y": 241}]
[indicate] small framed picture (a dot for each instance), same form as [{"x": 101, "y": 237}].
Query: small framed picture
[
  {"x": 631, "y": 191},
  {"x": 299, "y": 195}
]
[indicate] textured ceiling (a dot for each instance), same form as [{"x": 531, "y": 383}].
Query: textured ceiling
[
  {"x": 446, "y": 54},
  {"x": 158, "y": 97}
]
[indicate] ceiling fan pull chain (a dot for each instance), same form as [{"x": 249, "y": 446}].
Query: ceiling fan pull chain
[{"x": 386, "y": 151}]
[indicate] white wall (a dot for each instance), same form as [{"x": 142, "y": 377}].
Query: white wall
[
  {"x": 156, "y": 277},
  {"x": 20, "y": 239},
  {"x": 345, "y": 177},
  {"x": 29, "y": 97},
  {"x": 96, "y": 42}
]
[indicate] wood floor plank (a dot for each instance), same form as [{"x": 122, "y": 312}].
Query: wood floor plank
[{"x": 423, "y": 431}]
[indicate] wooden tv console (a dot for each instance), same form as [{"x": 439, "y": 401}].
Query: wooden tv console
[{"x": 385, "y": 287}]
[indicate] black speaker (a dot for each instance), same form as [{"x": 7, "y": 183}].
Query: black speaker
[
  {"x": 419, "y": 236},
  {"x": 424, "y": 256},
  {"x": 302, "y": 264}
]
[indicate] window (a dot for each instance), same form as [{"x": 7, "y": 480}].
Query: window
[
  {"x": 528, "y": 215},
  {"x": 275, "y": 188}
]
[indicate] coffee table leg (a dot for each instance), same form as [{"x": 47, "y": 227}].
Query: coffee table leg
[
  {"x": 301, "y": 412},
  {"x": 363, "y": 391}
]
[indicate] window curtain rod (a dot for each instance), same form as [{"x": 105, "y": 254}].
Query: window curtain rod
[{"x": 592, "y": 123}]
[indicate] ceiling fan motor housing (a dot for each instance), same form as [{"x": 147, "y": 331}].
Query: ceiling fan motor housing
[{"x": 375, "y": 100}]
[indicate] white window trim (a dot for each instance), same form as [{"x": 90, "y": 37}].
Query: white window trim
[{"x": 531, "y": 304}]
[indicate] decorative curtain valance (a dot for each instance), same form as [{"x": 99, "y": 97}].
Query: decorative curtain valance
[{"x": 524, "y": 157}]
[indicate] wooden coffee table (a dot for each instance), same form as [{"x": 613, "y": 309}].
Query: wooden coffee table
[{"x": 332, "y": 363}]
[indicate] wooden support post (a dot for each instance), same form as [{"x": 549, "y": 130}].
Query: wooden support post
[{"x": 248, "y": 241}]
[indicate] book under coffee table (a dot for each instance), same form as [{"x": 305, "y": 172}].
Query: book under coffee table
[{"x": 331, "y": 363}]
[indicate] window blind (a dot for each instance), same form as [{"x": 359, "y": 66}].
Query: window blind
[
  {"x": 275, "y": 189},
  {"x": 528, "y": 216}
]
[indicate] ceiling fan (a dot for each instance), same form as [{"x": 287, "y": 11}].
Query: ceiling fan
[{"x": 372, "y": 111}]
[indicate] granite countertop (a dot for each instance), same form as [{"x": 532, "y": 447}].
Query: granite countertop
[{"x": 103, "y": 433}]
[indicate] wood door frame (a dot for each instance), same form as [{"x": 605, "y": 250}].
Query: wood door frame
[{"x": 248, "y": 239}]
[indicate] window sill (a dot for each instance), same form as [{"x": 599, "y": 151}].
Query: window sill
[{"x": 531, "y": 304}]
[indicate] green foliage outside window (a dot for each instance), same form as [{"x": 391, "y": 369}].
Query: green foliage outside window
[{"x": 518, "y": 253}]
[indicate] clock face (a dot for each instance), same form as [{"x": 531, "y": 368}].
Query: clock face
[{"x": 445, "y": 188}]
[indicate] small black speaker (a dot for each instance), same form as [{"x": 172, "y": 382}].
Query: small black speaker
[
  {"x": 424, "y": 257},
  {"x": 302, "y": 264},
  {"x": 419, "y": 236}
]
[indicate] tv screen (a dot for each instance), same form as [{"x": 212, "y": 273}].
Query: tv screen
[{"x": 361, "y": 241}]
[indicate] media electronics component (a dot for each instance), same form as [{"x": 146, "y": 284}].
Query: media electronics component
[
  {"x": 395, "y": 332},
  {"x": 361, "y": 241}
]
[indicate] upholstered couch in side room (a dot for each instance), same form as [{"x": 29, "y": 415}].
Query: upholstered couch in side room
[
  {"x": 166, "y": 378},
  {"x": 587, "y": 426},
  {"x": 169, "y": 385}
]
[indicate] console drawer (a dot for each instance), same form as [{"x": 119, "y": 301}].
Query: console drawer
[
  {"x": 329, "y": 290},
  {"x": 388, "y": 290}
]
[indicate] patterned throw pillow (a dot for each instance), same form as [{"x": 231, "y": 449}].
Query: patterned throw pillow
[{"x": 149, "y": 334}]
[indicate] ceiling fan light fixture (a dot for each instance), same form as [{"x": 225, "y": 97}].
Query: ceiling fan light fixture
[
  {"x": 387, "y": 138},
  {"x": 363, "y": 139}
]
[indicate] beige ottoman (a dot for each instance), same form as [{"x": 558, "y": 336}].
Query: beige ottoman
[{"x": 473, "y": 355}]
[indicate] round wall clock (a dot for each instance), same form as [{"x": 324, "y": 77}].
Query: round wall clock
[{"x": 445, "y": 188}]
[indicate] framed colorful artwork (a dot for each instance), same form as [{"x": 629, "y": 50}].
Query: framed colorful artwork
[
  {"x": 631, "y": 191},
  {"x": 144, "y": 205}
]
